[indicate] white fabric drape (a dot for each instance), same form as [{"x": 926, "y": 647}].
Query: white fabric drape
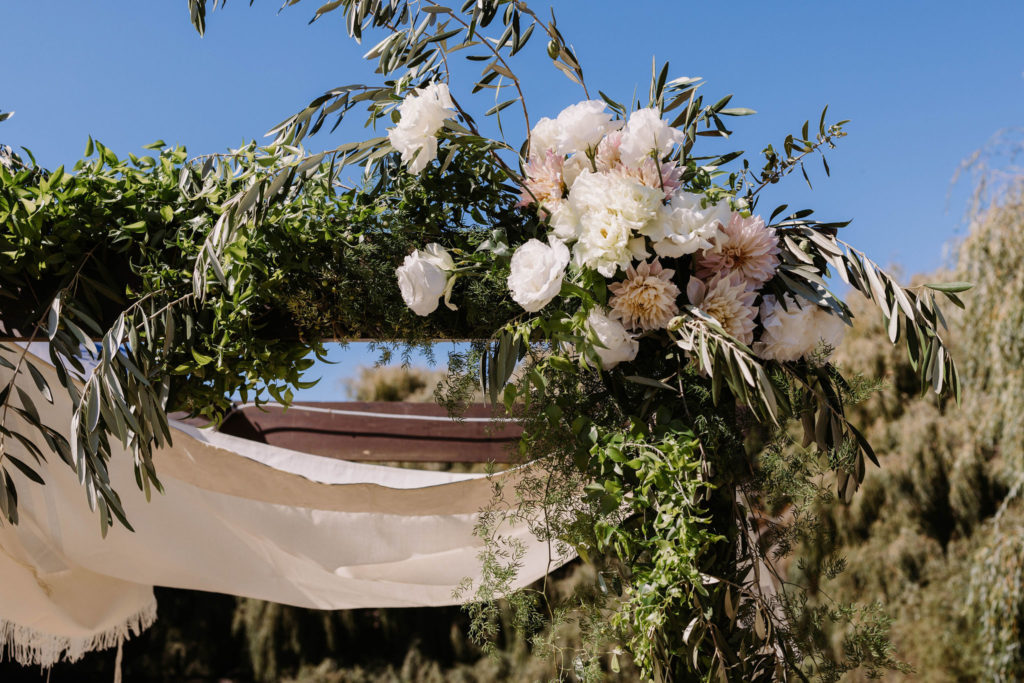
[{"x": 237, "y": 517}]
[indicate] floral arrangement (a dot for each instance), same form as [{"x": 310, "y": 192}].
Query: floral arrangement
[
  {"x": 639, "y": 264},
  {"x": 658, "y": 258}
]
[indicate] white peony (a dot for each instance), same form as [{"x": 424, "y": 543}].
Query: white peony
[
  {"x": 422, "y": 114},
  {"x": 796, "y": 331},
  {"x": 423, "y": 276},
  {"x": 581, "y": 126},
  {"x": 543, "y": 138},
  {"x": 686, "y": 226},
  {"x": 537, "y": 272},
  {"x": 574, "y": 166},
  {"x": 578, "y": 128},
  {"x": 618, "y": 345},
  {"x": 606, "y": 245},
  {"x": 605, "y": 212},
  {"x": 645, "y": 133},
  {"x": 565, "y": 223}
]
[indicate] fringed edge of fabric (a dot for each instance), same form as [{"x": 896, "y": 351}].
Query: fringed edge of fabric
[{"x": 28, "y": 646}]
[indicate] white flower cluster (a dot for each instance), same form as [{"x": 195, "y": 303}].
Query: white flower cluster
[
  {"x": 422, "y": 114},
  {"x": 616, "y": 184},
  {"x": 612, "y": 195}
]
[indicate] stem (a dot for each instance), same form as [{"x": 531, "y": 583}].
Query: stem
[
  {"x": 499, "y": 58},
  {"x": 793, "y": 162}
]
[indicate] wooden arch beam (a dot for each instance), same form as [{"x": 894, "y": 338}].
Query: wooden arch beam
[{"x": 378, "y": 431}]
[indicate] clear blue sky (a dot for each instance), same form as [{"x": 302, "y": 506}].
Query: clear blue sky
[{"x": 923, "y": 83}]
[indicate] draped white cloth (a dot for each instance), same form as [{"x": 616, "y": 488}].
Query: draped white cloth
[{"x": 237, "y": 517}]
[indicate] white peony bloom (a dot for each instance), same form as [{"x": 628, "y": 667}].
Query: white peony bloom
[
  {"x": 422, "y": 114},
  {"x": 581, "y": 126},
  {"x": 645, "y": 133},
  {"x": 618, "y": 344},
  {"x": 543, "y": 138},
  {"x": 565, "y": 223},
  {"x": 578, "y": 128},
  {"x": 423, "y": 276},
  {"x": 796, "y": 331},
  {"x": 609, "y": 210},
  {"x": 574, "y": 166},
  {"x": 686, "y": 226},
  {"x": 537, "y": 272}
]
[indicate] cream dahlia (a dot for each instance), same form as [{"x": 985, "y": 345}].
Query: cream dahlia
[
  {"x": 646, "y": 299},
  {"x": 745, "y": 246},
  {"x": 729, "y": 300}
]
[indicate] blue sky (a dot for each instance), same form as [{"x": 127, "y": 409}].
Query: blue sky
[{"x": 924, "y": 84}]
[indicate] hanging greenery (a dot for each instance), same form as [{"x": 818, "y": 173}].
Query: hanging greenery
[{"x": 629, "y": 302}]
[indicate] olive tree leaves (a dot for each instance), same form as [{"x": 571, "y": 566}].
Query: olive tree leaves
[{"x": 811, "y": 253}]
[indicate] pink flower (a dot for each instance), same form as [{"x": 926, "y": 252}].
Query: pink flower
[
  {"x": 607, "y": 156},
  {"x": 745, "y": 247},
  {"x": 543, "y": 182},
  {"x": 666, "y": 176},
  {"x": 646, "y": 299},
  {"x": 729, "y": 300}
]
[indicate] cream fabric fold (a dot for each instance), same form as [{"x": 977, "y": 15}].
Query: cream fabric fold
[{"x": 237, "y": 517}]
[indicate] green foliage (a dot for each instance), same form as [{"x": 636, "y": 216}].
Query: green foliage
[{"x": 110, "y": 250}]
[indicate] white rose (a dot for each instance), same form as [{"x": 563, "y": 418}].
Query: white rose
[
  {"x": 422, "y": 278},
  {"x": 619, "y": 345},
  {"x": 796, "y": 331},
  {"x": 438, "y": 255},
  {"x": 645, "y": 133},
  {"x": 685, "y": 226},
  {"x": 422, "y": 114},
  {"x": 537, "y": 272}
]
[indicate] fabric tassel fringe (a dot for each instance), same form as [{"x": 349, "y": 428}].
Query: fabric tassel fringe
[{"x": 30, "y": 647}]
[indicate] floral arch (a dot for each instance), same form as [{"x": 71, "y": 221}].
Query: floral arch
[{"x": 655, "y": 330}]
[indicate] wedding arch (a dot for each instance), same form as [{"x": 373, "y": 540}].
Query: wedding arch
[{"x": 654, "y": 331}]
